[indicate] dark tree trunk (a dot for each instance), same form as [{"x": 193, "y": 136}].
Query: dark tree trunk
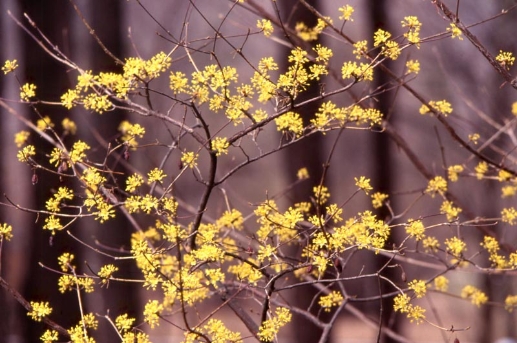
[
  {"x": 308, "y": 153},
  {"x": 382, "y": 176}
]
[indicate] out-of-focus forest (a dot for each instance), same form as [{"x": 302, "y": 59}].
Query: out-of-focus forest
[{"x": 400, "y": 156}]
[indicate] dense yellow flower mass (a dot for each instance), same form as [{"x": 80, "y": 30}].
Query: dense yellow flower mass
[{"x": 220, "y": 248}]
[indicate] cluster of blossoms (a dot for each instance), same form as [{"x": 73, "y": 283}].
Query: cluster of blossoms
[{"x": 185, "y": 263}]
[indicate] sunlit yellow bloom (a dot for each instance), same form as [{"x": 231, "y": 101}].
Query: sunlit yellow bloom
[
  {"x": 9, "y": 66},
  {"x": 27, "y": 91}
]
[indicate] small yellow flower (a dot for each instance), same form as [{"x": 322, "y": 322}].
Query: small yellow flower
[
  {"x": 455, "y": 31},
  {"x": 333, "y": 299},
  {"x": 441, "y": 283},
  {"x": 391, "y": 49},
  {"x": 510, "y": 303},
  {"x": 156, "y": 175},
  {"x": 363, "y": 183},
  {"x": 413, "y": 66},
  {"x": 360, "y": 48},
  {"x": 431, "y": 244},
  {"x": 65, "y": 261},
  {"x": 9, "y": 66},
  {"x": 346, "y": 12},
  {"x": 474, "y": 138},
  {"x": 20, "y": 138},
  {"x": 124, "y": 323},
  {"x": 514, "y": 108},
  {"x": 133, "y": 182},
  {"x": 44, "y": 123},
  {"x": 302, "y": 174},
  {"x": 270, "y": 327},
  {"x": 49, "y": 336},
  {"x": 442, "y": 106},
  {"x": 436, "y": 185},
  {"x": 84, "y": 81},
  {"x": 69, "y": 126},
  {"x": 378, "y": 199},
  {"x": 416, "y": 229},
  {"x": 455, "y": 246},
  {"x": 450, "y": 210},
  {"x": 380, "y": 37},
  {"x": 27, "y": 91},
  {"x": 476, "y": 296},
  {"x": 506, "y": 59},
  {"x": 481, "y": 169},
  {"x": 152, "y": 313},
  {"x": 97, "y": 103},
  {"x": 321, "y": 193},
  {"x": 416, "y": 314},
  {"x": 27, "y": 152},
  {"x": 419, "y": 287},
  {"x": 106, "y": 272},
  {"x": 39, "y": 310},
  {"x": 453, "y": 171},
  {"x": 220, "y": 145},
  {"x": 509, "y": 215},
  {"x": 265, "y": 26},
  {"x": 189, "y": 159},
  {"x": 69, "y": 98},
  {"x": 6, "y": 232},
  {"x": 178, "y": 82},
  {"x": 401, "y": 303},
  {"x": 290, "y": 122}
]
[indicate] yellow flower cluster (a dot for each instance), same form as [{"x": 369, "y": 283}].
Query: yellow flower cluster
[
  {"x": 378, "y": 199},
  {"x": 71, "y": 283},
  {"x": 27, "y": 91},
  {"x": 481, "y": 170},
  {"x": 415, "y": 229},
  {"x": 39, "y": 310},
  {"x": 442, "y": 106},
  {"x": 152, "y": 313},
  {"x": 333, "y": 299},
  {"x": 359, "y": 72},
  {"x": 451, "y": 212},
  {"x": 509, "y": 215},
  {"x": 130, "y": 132},
  {"x": 363, "y": 183},
  {"x": 96, "y": 92},
  {"x": 492, "y": 247},
  {"x": 265, "y": 26},
  {"x": 455, "y": 31},
  {"x": 413, "y": 66},
  {"x": 270, "y": 327},
  {"x": 419, "y": 287},
  {"x": 220, "y": 145},
  {"x": 329, "y": 113},
  {"x": 346, "y": 12},
  {"x": 506, "y": 59},
  {"x": 441, "y": 283},
  {"x": 510, "y": 303},
  {"x": 436, "y": 185},
  {"x": 311, "y": 33},
  {"x": 413, "y": 25},
  {"x": 272, "y": 221},
  {"x": 189, "y": 159},
  {"x": 6, "y": 232},
  {"x": 455, "y": 246},
  {"x": 216, "y": 331},
  {"x": 10, "y": 66},
  {"x": 476, "y": 296},
  {"x": 453, "y": 171},
  {"x": 415, "y": 313},
  {"x": 106, "y": 272}
]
